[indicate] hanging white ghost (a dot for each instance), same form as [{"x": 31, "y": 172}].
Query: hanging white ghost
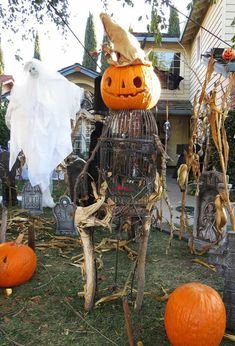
[{"x": 42, "y": 103}]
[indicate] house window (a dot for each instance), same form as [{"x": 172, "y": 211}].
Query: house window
[
  {"x": 198, "y": 48},
  {"x": 167, "y": 67}
]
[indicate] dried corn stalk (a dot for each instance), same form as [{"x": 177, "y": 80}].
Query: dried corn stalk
[{"x": 208, "y": 118}]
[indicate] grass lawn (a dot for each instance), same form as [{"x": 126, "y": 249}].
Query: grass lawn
[{"x": 47, "y": 310}]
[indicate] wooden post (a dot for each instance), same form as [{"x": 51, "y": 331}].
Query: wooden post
[
  {"x": 128, "y": 321},
  {"x": 141, "y": 261},
  {"x": 31, "y": 236},
  {"x": 3, "y": 225}
]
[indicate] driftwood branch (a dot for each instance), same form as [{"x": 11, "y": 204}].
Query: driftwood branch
[{"x": 89, "y": 258}]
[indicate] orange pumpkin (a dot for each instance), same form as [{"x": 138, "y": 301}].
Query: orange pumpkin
[
  {"x": 130, "y": 87},
  {"x": 228, "y": 54},
  {"x": 195, "y": 315},
  {"x": 17, "y": 264}
]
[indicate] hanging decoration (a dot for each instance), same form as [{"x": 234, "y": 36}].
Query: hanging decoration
[
  {"x": 228, "y": 54},
  {"x": 42, "y": 103}
]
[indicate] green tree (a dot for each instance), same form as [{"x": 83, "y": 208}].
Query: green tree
[
  {"x": 174, "y": 23},
  {"x": 103, "y": 61},
  {"x": 1, "y": 61},
  {"x": 37, "y": 54},
  {"x": 154, "y": 28},
  {"x": 15, "y": 14},
  {"x": 90, "y": 44},
  {"x": 156, "y": 23},
  {"x": 4, "y": 131}
]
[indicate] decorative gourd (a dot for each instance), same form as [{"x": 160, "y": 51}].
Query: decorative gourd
[
  {"x": 130, "y": 87},
  {"x": 195, "y": 315},
  {"x": 228, "y": 54},
  {"x": 17, "y": 264}
]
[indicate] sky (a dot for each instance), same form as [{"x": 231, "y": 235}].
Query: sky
[{"x": 58, "y": 51}]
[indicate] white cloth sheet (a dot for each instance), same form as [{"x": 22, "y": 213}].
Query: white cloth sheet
[{"x": 42, "y": 104}]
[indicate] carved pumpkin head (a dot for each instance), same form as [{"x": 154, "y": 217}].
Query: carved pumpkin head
[
  {"x": 130, "y": 87},
  {"x": 228, "y": 54},
  {"x": 17, "y": 264}
]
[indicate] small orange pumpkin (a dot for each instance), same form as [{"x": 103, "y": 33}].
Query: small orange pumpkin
[
  {"x": 195, "y": 315},
  {"x": 17, "y": 264},
  {"x": 228, "y": 54},
  {"x": 130, "y": 87}
]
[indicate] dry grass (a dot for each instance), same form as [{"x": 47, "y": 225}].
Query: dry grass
[{"x": 48, "y": 311}]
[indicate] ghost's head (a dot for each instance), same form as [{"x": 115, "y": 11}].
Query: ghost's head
[{"x": 32, "y": 67}]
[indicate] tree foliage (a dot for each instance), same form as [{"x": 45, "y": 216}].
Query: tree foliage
[
  {"x": 103, "y": 61},
  {"x": 1, "y": 60},
  {"x": 37, "y": 54},
  {"x": 16, "y": 14},
  {"x": 90, "y": 45},
  {"x": 155, "y": 25},
  {"x": 174, "y": 23}
]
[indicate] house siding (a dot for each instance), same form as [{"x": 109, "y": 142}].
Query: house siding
[
  {"x": 183, "y": 92},
  {"x": 218, "y": 21},
  {"x": 179, "y": 133}
]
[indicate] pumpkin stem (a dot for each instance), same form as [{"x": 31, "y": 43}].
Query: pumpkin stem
[{"x": 19, "y": 239}]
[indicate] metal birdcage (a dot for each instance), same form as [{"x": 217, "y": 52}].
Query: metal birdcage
[{"x": 128, "y": 154}]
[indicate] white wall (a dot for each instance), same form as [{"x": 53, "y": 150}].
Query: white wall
[{"x": 218, "y": 21}]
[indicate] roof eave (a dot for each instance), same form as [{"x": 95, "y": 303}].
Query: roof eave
[
  {"x": 78, "y": 68},
  {"x": 202, "y": 7}
]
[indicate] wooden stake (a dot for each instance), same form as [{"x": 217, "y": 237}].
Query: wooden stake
[
  {"x": 128, "y": 321},
  {"x": 141, "y": 262},
  {"x": 3, "y": 225},
  {"x": 31, "y": 236}
]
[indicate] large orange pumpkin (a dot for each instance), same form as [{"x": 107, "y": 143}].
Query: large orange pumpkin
[
  {"x": 17, "y": 264},
  {"x": 228, "y": 54},
  {"x": 195, "y": 315},
  {"x": 130, "y": 87}
]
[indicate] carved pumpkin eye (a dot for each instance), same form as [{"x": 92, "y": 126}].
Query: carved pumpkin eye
[
  {"x": 137, "y": 82},
  {"x": 108, "y": 81}
]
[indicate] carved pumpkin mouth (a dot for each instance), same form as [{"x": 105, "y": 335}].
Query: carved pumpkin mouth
[{"x": 126, "y": 95}]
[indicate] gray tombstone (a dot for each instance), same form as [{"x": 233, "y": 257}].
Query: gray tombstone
[
  {"x": 64, "y": 212},
  {"x": 204, "y": 230},
  {"x": 32, "y": 199},
  {"x": 223, "y": 257}
]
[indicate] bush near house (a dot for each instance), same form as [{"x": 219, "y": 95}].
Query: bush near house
[{"x": 4, "y": 131}]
